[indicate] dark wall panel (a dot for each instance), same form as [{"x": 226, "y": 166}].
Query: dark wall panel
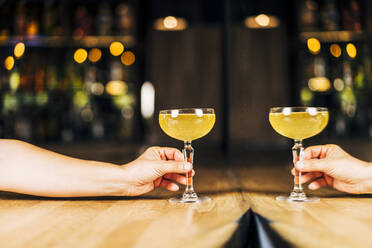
[
  {"x": 185, "y": 69},
  {"x": 258, "y": 82}
]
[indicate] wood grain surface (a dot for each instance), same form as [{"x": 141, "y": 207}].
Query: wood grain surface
[{"x": 338, "y": 220}]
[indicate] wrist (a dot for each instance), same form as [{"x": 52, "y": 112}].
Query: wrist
[{"x": 112, "y": 181}]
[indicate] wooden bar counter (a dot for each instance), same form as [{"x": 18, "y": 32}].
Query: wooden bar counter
[{"x": 338, "y": 220}]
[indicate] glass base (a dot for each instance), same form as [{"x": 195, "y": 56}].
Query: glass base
[
  {"x": 297, "y": 197},
  {"x": 198, "y": 199}
]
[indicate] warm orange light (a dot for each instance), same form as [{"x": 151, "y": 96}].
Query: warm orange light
[
  {"x": 116, "y": 87},
  {"x": 116, "y": 48},
  {"x": 95, "y": 54},
  {"x": 314, "y": 45},
  {"x": 19, "y": 49},
  {"x": 128, "y": 58},
  {"x": 9, "y": 63},
  {"x": 351, "y": 50},
  {"x": 335, "y": 50},
  {"x": 80, "y": 55},
  {"x": 32, "y": 28},
  {"x": 262, "y": 20},
  {"x": 170, "y": 22}
]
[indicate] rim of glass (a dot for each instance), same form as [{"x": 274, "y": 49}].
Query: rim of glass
[
  {"x": 188, "y": 111},
  {"x": 297, "y": 109}
]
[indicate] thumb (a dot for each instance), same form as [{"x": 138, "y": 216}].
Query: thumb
[
  {"x": 322, "y": 165},
  {"x": 164, "y": 167}
]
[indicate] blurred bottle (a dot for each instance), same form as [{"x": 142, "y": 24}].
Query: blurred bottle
[
  {"x": 330, "y": 16},
  {"x": 32, "y": 29},
  {"x": 351, "y": 17},
  {"x": 355, "y": 15},
  {"x": 362, "y": 77},
  {"x": 5, "y": 28},
  {"x": 104, "y": 20},
  {"x": 83, "y": 23},
  {"x": 49, "y": 18},
  {"x": 125, "y": 22},
  {"x": 309, "y": 15},
  {"x": 20, "y": 19},
  {"x": 63, "y": 24}
]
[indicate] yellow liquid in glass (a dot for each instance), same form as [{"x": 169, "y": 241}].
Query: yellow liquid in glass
[
  {"x": 299, "y": 125},
  {"x": 186, "y": 127}
]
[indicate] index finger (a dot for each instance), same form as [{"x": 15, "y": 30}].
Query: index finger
[
  {"x": 172, "y": 153},
  {"x": 312, "y": 152}
]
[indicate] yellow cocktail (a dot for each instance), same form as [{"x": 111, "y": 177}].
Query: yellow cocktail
[
  {"x": 187, "y": 125},
  {"x": 298, "y": 123}
]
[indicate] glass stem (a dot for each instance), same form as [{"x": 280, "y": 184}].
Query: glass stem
[
  {"x": 188, "y": 153},
  {"x": 297, "y": 151}
]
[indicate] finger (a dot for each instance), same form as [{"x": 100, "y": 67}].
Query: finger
[
  {"x": 166, "y": 184},
  {"x": 317, "y": 184},
  {"x": 322, "y": 165},
  {"x": 172, "y": 153},
  {"x": 164, "y": 167},
  {"x": 310, "y": 176},
  {"x": 176, "y": 178},
  {"x": 314, "y": 152}
]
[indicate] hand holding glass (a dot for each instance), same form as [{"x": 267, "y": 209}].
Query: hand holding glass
[
  {"x": 298, "y": 123},
  {"x": 187, "y": 125}
]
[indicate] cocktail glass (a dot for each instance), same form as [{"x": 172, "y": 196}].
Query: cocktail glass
[
  {"x": 298, "y": 123},
  {"x": 187, "y": 125}
]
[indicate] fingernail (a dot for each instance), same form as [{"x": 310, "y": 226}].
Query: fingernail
[
  {"x": 300, "y": 165},
  {"x": 311, "y": 186},
  {"x": 187, "y": 166}
]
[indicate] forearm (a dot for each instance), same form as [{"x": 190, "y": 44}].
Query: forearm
[{"x": 31, "y": 170}]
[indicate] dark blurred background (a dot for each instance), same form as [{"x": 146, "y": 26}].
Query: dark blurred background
[{"x": 78, "y": 74}]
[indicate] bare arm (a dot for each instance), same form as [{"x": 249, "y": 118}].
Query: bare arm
[{"x": 27, "y": 169}]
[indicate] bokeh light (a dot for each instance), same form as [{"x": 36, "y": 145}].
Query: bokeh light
[
  {"x": 170, "y": 22},
  {"x": 262, "y": 20},
  {"x": 116, "y": 48},
  {"x": 95, "y": 54},
  {"x": 313, "y": 45},
  {"x": 80, "y": 55},
  {"x": 128, "y": 58},
  {"x": 9, "y": 63},
  {"x": 319, "y": 84},
  {"x": 351, "y": 50},
  {"x": 339, "y": 84},
  {"x": 80, "y": 99},
  {"x": 19, "y": 49},
  {"x": 116, "y": 87},
  {"x": 97, "y": 88},
  {"x": 14, "y": 81},
  {"x": 147, "y": 100},
  {"x": 335, "y": 50}
]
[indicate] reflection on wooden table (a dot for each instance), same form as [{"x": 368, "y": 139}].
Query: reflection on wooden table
[{"x": 338, "y": 220}]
